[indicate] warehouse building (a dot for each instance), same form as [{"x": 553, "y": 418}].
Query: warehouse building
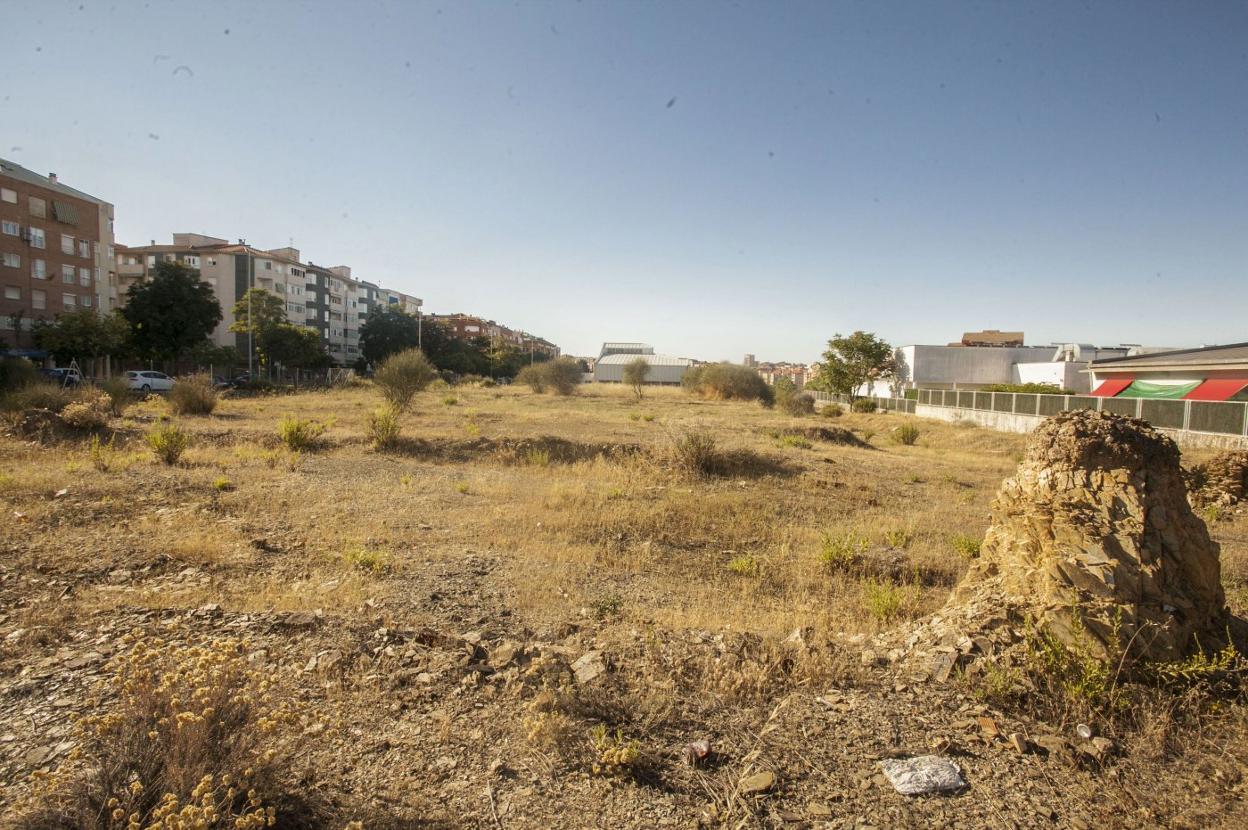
[
  {"x": 1213, "y": 373},
  {"x": 664, "y": 369}
]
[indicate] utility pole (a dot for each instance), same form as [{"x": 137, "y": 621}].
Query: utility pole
[
  {"x": 420, "y": 328},
  {"x": 251, "y": 323}
]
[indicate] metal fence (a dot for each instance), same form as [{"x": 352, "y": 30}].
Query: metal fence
[{"x": 1217, "y": 417}]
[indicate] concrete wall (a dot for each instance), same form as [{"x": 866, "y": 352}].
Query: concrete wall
[{"x": 1010, "y": 422}]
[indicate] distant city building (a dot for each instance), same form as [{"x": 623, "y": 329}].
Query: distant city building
[
  {"x": 991, "y": 338},
  {"x": 750, "y": 361},
  {"x": 613, "y": 357},
  {"x": 470, "y": 327},
  {"x": 56, "y": 249},
  {"x": 800, "y": 373}
]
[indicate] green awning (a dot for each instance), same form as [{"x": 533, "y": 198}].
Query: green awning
[
  {"x": 1152, "y": 389},
  {"x": 65, "y": 212}
]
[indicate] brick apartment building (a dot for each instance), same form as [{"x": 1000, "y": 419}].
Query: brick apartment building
[
  {"x": 469, "y": 327},
  {"x": 56, "y": 250},
  {"x": 801, "y": 374}
]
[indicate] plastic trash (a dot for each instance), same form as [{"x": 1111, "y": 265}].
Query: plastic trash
[{"x": 922, "y": 774}]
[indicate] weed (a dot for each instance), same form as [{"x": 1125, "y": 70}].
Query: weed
[
  {"x": 832, "y": 410},
  {"x": 795, "y": 441},
  {"x": 867, "y": 435},
  {"x": 536, "y": 457},
  {"x": 616, "y": 755},
  {"x": 885, "y": 599},
  {"x": 608, "y": 607},
  {"x": 634, "y": 416},
  {"x": 382, "y": 427},
  {"x": 119, "y": 395},
  {"x": 864, "y": 405},
  {"x": 898, "y": 538},
  {"x": 89, "y": 413},
  {"x": 195, "y": 395},
  {"x": 472, "y": 428},
  {"x": 548, "y": 730},
  {"x": 222, "y": 484},
  {"x": 461, "y": 487},
  {"x": 168, "y": 442},
  {"x": 695, "y": 453},
  {"x": 841, "y": 553},
  {"x": 964, "y": 546},
  {"x": 615, "y": 493},
  {"x": 1212, "y": 513},
  {"x": 300, "y": 434},
  {"x": 906, "y": 434},
  {"x": 102, "y": 454},
  {"x": 366, "y": 559},
  {"x": 745, "y": 564},
  {"x": 450, "y": 400},
  {"x": 648, "y": 418}
]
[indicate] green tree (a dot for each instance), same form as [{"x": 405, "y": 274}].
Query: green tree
[
  {"x": 170, "y": 313},
  {"x": 82, "y": 333},
  {"x": 635, "y": 373},
  {"x": 259, "y": 312},
  {"x": 851, "y": 361},
  {"x": 207, "y": 353},
  {"x": 295, "y": 347},
  {"x": 389, "y": 331}
]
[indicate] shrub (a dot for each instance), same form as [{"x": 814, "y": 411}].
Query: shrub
[
  {"x": 841, "y": 553},
  {"x": 884, "y": 598},
  {"x": 101, "y": 453},
  {"x": 728, "y": 382},
  {"x": 864, "y": 405},
  {"x": 402, "y": 376},
  {"x": 300, "y": 434},
  {"x": 16, "y": 373},
  {"x": 195, "y": 739},
  {"x": 563, "y": 375},
  {"x": 383, "y": 427},
  {"x": 222, "y": 484},
  {"x": 832, "y": 410},
  {"x": 790, "y": 440},
  {"x": 47, "y": 396},
  {"x": 745, "y": 565},
  {"x": 800, "y": 404},
  {"x": 695, "y": 453},
  {"x": 616, "y": 756},
  {"x": 168, "y": 442},
  {"x": 450, "y": 400},
  {"x": 119, "y": 395},
  {"x": 906, "y": 434},
  {"x": 193, "y": 395},
  {"x": 1028, "y": 388},
  {"x": 898, "y": 538},
  {"x": 89, "y": 412},
  {"x": 966, "y": 547},
  {"x": 533, "y": 377},
  {"x": 367, "y": 559},
  {"x": 635, "y": 373}
]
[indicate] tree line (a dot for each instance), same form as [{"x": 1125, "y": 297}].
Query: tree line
[{"x": 169, "y": 319}]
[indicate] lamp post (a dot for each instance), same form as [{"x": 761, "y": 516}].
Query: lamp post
[
  {"x": 420, "y": 328},
  {"x": 251, "y": 324}
]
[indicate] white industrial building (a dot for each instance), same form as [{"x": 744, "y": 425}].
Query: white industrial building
[
  {"x": 664, "y": 369},
  {"x": 974, "y": 367}
]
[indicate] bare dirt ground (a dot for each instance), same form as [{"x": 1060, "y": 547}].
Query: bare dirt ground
[{"x": 456, "y": 617}]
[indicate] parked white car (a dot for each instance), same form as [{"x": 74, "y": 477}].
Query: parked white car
[{"x": 149, "y": 381}]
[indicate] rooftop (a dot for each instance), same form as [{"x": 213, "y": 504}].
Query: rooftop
[
  {"x": 1228, "y": 356},
  {"x": 16, "y": 171}
]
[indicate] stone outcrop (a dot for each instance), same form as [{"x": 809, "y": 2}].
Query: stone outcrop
[
  {"x": 1222, "y": 480},
  {"x": 1094, "y": 541}
]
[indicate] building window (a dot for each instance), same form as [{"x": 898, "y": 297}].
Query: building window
[
  {"x": 39, "y": 269},
  {"x": 38, "y": 207},
  {"x": 84, "y": 249},
  {"x": 67, "y": 274},
  {"x": 12, "y": 292},
  {"x": 7, "y": 195},
  {"x": 85, "y": 300},
  {"x": 13, "y": 260},
  {"x": 84, "y": 276},
  {"x": 37, "y": 239},
  {"x": 11, "y": 228},
  {"x": 192, "y": 261},
  {"x": 268, "y": 266},
  {"x": 97, "y": 273},
  {"x": 69, "y": 300},
  {"x": 38, "y": 299},
  {"x": 151, "y": 260},
  {"x": 67, "y": 245}
]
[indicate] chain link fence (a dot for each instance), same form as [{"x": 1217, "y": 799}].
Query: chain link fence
[{"x": 1218, "y": 417}]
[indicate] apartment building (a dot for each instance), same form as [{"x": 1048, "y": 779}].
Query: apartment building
[
  {"x": 56, "y": 249},
  {"x": 800, "y": 373},
  {"x": 334, "y": 310},
  {"x": 469, "y": 327}
]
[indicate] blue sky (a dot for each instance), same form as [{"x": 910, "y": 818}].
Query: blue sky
[{"x": 711, "y": 178}]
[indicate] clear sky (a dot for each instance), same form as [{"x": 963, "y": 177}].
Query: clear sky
[{"x": 712, "y": 178}]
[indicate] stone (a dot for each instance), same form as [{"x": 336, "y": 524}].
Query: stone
[
  {"x": 818, "y": 809},
  {"x": 589, "y": 666},
  {"x": 1018, "y": 742},
  {"x": 759, "y": 782},
  {"x": 1093, "y": 539}
]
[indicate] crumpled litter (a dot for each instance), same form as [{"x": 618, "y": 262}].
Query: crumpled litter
[{"x": 922, "y": 774}]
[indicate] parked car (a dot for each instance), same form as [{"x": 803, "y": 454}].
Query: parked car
[
  {"x": 62, "y": 377},
  {"x": 149, "y": 381}
]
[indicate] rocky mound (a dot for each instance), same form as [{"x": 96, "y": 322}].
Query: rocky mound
[
  {"x": 1093, "y": 541},
  {"x": 1223, "y": 480}
]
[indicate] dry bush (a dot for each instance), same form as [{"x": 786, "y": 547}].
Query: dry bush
[
  {"x": 728, "y": 382},
  {"x": 193, "y": 395},
  {"x": 402, "y": 376},
  {"x": 832, "y": 410},
  {"x": 197, "y": 739},
  {"x": 563, "y": 375},
  {"x": 47, "y": 396},
  {"x": 906, "y": 434},
  {"x": 89, "y": 412},
  {"x": 119, "y": 395},
  {"x": 533, "y": 377},
  {"x": 168, "y": 442},
  {"x": 16, "y": 373},
  {"x": 695, "y": 453}
]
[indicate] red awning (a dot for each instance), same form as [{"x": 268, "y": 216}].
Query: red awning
[
  {"x": 1217, "y": 390},
  {"x": 1111, "y": 387}
]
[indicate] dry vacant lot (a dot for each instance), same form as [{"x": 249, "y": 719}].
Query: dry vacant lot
[{"x": 522, "y": 615}]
